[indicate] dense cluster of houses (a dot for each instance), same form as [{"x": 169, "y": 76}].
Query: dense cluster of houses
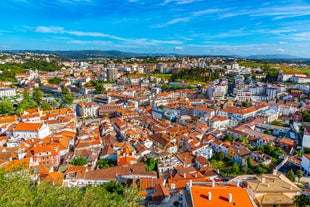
[{"x": 134, "y": 120}]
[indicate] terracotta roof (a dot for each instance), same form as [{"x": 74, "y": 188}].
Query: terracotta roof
[
  {"x": 112, "y": 172},
  {"x": 27, "y": 126},
  {"x": 160, "y": 192},
  {"x": 55, "y": 177},
  {"x": 219, "y": 196},
  {"x": 149, "y": 183}
]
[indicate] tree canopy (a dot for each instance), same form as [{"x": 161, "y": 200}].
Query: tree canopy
[
  {"x": 105, "y": 163},
  {"x": 290, "y": 175},
  {"x": 80, "y": 161},
  {"x": 18, "y": 190},
  {"x": 6, "y": 107},
  {"x": 151, "y": 164}
]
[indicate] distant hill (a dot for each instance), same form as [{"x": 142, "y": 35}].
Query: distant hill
[
  {"x": 89, "y": 54},
  {"x": 275, "y": 56},
  {"x": 95, "y": 54}
]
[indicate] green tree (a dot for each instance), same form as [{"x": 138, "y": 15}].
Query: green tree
[
  {"x": 26, "y": 95},
  {"x": 267, "y": 131},
  {"x": 245, "y": 104},
  {"x": 111, "y": 194},
  {"x": 276, "y": 123},
  {"x": 301, "y": 200},
  {"x": 227, "y": 138},
  {"x": 55, "y": 80},
  {"x": 161, "y": 106},
  {"x": 249, "y": 162},
  {"x": 45, "y": 106},
  {"x": 6, "y": 107},
  {"x": 290, "y": 175},
  {"x": 67, "y": 96},
  {"x": 105, "y": 163},
  {"x": 99, "y": 88},
  {"x": 151, "y": 164},
  {"x": 79, "y": 161},
  {"x": 37, "y": 95},
  {"x": 235, "y": 169},
  {"x": 299, "y": 174}
]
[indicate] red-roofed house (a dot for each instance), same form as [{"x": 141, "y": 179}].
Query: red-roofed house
[{"x": 31, "y": 130}]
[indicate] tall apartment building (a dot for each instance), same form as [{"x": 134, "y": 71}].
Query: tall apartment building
[{"x": 111, "y": 74}]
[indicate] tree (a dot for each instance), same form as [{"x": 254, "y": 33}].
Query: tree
[
  {"x": 249, "y": 162},
  {"x": 151, "y": 164},
  {"x": 299, "y": 174},
  {"x": 67, "y": 96},
  {"x": 235, "y": 169},
  {"x": 55, "y": 80},
  {"x": 245, "y": 104},
  {"x": 79, "y": 161},
  {"x": 301, "y": 200},
  {"x": 45, "y": 193},
  {"x": 161, "y": 106},
  {"x": 45, "y": 106},
  {"x": 227, "y": 138},
  {"x": 6, "y": 107},
  {"x": 105, "y": 163},
  {"x": 276, "y": 123},
  {"x": 267, "y": 131},
  {"x": 290, "y": 175},
  {"x": 37, "y": 96},
  {"x": 26, "y": 95},
  {"x": 26, "y": 104},
  {"x": 99, "y": 88}
]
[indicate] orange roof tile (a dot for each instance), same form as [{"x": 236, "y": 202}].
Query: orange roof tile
[
  {"x": 219, "y": 196},
  {"x": 55, "y": 177},
  {"x": 28, "y": 126}
]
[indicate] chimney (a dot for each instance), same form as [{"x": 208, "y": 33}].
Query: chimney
[
  {"x": 238, "y": 183},
  {"x": 209, "y": 196},
  {"x": 218, "y": 171},
  {"x": 263, "y": 180},
  {"x": 274, "y": 172},
  {"x": 189, "y": 185},
  {"x": 291, "y": 187},
  {"x": 213, "y": 183},
  {"x": 229, "y": 197},
  {"x": 184, "y": 175}
]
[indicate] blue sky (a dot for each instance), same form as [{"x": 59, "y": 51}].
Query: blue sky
[{"x": 205, "y": 27}]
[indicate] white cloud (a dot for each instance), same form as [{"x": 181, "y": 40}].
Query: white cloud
[
  {"x": 179, "y": 1},
  {"x": 140, "y": 41},
  {"x": 178, "y": 48},
  {"x": 283, "y": 43},
  {"x": 208, "y": 11},
  {"x": 280, "y": 50},
  {"x": 52, "y": 29},
  {"x": 173, "y": 21}
]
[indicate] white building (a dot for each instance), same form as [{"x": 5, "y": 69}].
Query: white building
[
  {"x": 31, "y": 130},
  {"x": 203, "y": 151},
  {"x": 305, "y": 164},
  {"x": 306, "y": 138},
  {"x": 234, "y": 66},
  {"x": 7, "y": 92},
  {"x": 242, "y": 94},
  {"x": 220, "y": 122},
  {"x": 87, "y": 109},
  {"x": 217, "y": 91}
]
